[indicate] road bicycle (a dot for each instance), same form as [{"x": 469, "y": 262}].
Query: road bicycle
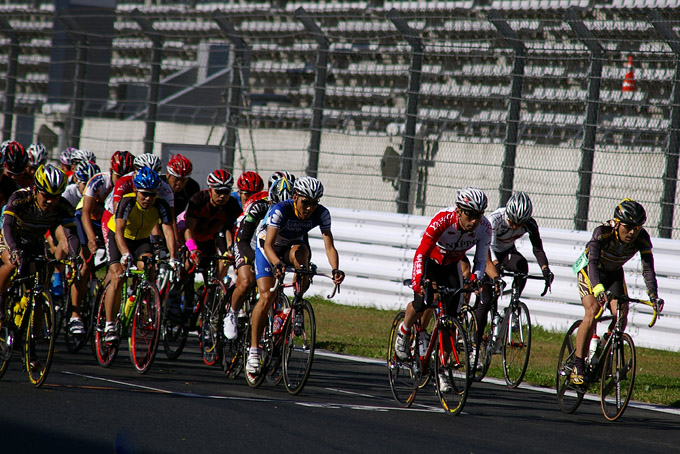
[
  {"x": 508, "y": 333},
  {"x": 29, "y": 320},
  {"x": 289, "y": 339},
  {"x": 612, "y": 366},
  {"x": 445, "y": 356},
  {"x": 138, "y": 320}
]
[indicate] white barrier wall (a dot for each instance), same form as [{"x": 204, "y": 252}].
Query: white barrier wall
[{"x": 376, "y": 252}]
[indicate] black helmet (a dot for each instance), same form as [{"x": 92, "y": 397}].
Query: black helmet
[{"x": 630, "y": 212}]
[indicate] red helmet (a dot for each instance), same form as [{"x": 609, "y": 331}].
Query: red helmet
[
  {"x": 15, "y": 157},
  {"x": 122, "y": 162},
  {"x": 250, "y": 182},
  {"x": 220, "y": 179},
  {"x": 179, "y": 166}
]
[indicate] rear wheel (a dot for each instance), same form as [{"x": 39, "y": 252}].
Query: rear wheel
[
  {"x": 569, "y": 396},
  {"x": 404, "y": 375},
  {"x": 618, "y": 377},
  {"x": 175, "y": 330},
  {"x": 105, "y": 353},
  {"x": 484, "y": 350},
  {"x": 40, "y": 338},
  {"x": 146, "y": 328},
  {"x": 211, "y": 324},
  {"x": 452, "y": 366},
  {"x": 298, "y": 349},
  {"x": 468, "y": 320},
  {"x": 517, "y": 344}
]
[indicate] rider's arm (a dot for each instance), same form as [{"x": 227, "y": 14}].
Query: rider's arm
[
  {"x": 270, "y": 239},
  {"x": 483, "y": 234},
  {"x": 647, "y": 258},
  {"x": 120, "y": 236},
  {"x": 594, "y": 248},
  {"x": 88, "y": 206},
  {"x": 169, "y": 233},
  {"x": 8, "y": 223},
  {"x": 438, "y": 225},
  {"x": 331, "y": 252},
  {"x": 243, "y": 239},
  {"x": 537, "y": 243},
  {"x": 68, "y": 221}
]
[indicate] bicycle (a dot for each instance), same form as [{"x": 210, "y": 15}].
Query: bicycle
[
  {"x": 139, "y": 319},
  {"x": 508, "y": 334},
  {"x": 613, "y": 366},
  {"x": 289, "y": 338},
  {"x": 29, "y": 318},
  {"x": 446, "y": 354}
]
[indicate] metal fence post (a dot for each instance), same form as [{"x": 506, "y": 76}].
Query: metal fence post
[
  {"x": 11, "y": 85},
  {"x": 319, "y": 89},
  {"x": 412, "y": 99},
  {"x": 670, "y": 174},
  {"x": 154, "y": 79},
  {"x": 512, "y": 131},
  {"x": 590, "y": 128}
]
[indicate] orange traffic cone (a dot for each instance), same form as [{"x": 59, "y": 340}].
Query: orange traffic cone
[{"x": 629, "y": 78}]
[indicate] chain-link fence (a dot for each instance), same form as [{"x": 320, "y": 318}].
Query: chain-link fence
[{"x": 393, "y": 104}]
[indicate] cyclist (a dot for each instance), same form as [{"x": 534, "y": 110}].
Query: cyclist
[
  {"x": 254, "y": 211},
  {"x": 7, "y": 185},
  {"x": 278, "y": 175},
  {"x": 248, "y": 183},
  {"x": 37, "y": 156},
  {"x": 452, "y": 232},
  {"x": 283, "y": 244},
  {"x": 600, "y": 270},
  {"x": 29, "y": 214},
  {"x": 136, "y": 216},
  {"x": 81, "y": 175},
  {"x": 508, "y": 225},
  {"x": 78, "y": 155},
  {"x": 15, "y": 158},
  {"x": 179, "y": 179},
  {"x": 65, "y": 162}
]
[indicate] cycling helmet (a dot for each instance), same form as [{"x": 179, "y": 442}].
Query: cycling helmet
[
  {"x": 250, "y": 182},
  {"x": 37, "y": 154},
  {"x": 65, "y": 156},
  {"x": 15, "y": 157},
  {"x": 82, "y": 155},
  {"x": 50, "y": 179},
  {"x": 148, "y": 160},
  {"x": 630, "y": 212},
  {"x": 519, "y": 208},
  {"x": 308, "y": 187},
  {"x": 281, "y": 190},
  {"x": 471, "y": 199},
  {"x": 146, "y": 178},
  {"x": 121, "y": 162},
  {"x": 280, "y": 174},
  {"x": 220, "y": 179},
  {"x": 85, "y": 170},
  {"x": 179, "y": 166}
]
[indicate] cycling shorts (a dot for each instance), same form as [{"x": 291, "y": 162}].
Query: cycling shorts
[
  {"x": 137, "y": 248},
  {"x": 448, "y": 276},
  {"x": 613, "y": 281}
]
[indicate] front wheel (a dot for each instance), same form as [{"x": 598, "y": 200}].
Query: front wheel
[
  {"x": 517, "y": 345},
  {"x": 618, "y": 377},
  {"x": 404, "y": 375},
  {"x": 452, "y": 366},
  {"x": 211, "y": 324},
  {"x": 40, "y": 337},
  {"x": 146, "y": 328},
  {"x": 569, "y": 396},
  {"x": 468, "y": 320},
  {"x": 298, "y": 348},
  {"x": 104, "y": 352}
]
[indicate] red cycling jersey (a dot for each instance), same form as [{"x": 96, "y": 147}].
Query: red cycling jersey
[{"x": 445, "y": 244}]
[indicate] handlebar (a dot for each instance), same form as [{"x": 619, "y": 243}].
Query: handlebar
[
  {"x": 518, "y": 275},
  {"x": 626, "y": 299},
  {"x": 311, "y": 272}
]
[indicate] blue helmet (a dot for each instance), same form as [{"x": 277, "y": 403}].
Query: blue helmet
[
  {"x": 146, "y": 178},
  {"x": 85, "y": 170},
  {"x": 281, "y": 190}
]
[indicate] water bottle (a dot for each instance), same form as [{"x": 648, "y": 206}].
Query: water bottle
[
  {"x": 129, "y": 304},
  {"x": 592, "y": 351},
  {"x": 278, "y": 321},
  {"x": 423, "y": 341},
  {"x": 19, "y": 309}
]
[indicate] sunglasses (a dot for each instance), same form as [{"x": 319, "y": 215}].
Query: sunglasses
[
  {"x": 473, "y": 214},
  {"x": 222, "y": 191},
  {"x": 629, "y": 227},
  {"x": 309, "y": 202},
  {"x": 147, "y": 194}
]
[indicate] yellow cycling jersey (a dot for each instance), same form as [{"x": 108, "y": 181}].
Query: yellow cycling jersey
[{"x": 138, "y": 221}]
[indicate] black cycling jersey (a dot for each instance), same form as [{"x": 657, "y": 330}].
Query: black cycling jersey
[{"x": 182, "y": 197}]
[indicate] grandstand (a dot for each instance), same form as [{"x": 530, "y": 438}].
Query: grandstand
[{"x": 494, "y": 76}]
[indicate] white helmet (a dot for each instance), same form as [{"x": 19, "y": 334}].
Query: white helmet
[
  {"x": 148, "y": 160},
  {"x": 82, "y": 155},
  {"x": 37, "y": 154},
  {"x": 308, "y": 187},
  {"x": 471, "y": 199},
  {"x": 519, "y": 208}
]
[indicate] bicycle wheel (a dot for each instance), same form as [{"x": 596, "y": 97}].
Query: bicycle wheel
[
  {"x": 266, "y": 346},
  {"x": 484, "y": 350},
  {"x": 405, "y": 375},
  {"x": 618, "y": 377},
  {"x": 211, "y": 324},
  {"x": 569, "y": 396},
  {"x": 298, "y": 349},
  {"x": 146, "y": 327},
  {"x": 175, "y": 329},
  {"x": 517, "y": 345},
  {"x": 40, "y": 338},
  {"x": 233, "y": 349},
  {"x": 468, "y": 319},
  {"x": 452, "y": 366},
  {"x": 74, "y": 342}
]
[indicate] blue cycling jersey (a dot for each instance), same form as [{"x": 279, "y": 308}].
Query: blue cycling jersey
[{"x": 292, "y": 229}]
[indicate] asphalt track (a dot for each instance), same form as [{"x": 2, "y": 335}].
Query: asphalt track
[{"x": 185, "y": 406}]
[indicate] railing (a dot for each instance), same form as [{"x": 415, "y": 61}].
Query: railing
[{"x": 376, "y": 252}]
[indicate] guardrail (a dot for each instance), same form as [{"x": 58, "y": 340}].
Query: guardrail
[{"x": 376, "y": 252}]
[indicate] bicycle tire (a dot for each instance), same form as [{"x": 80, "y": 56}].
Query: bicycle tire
[
  {"x": 569, "y": 396},
  {"x": 453, "y": 361},
  {"x": 211, "y": 324},
  {"x": 146, "y": 328},
  {"x": 274, "y": 374},
  {"x": 618, "y": 377},
  {"x": 40, "y": 338},
  {"x": 299, "y": 345},
  {"x": 266, "y": 346},
  {"x": 404, "y": 376},
  {"x": 429, "y": 328},
  {"x": 232, "y": 349},
  {"x": 468, "y": 319},
  {"x": 517, "y": 345},
  {"x": 105, "y": 353},
  {"x": 175, "y": 330},
  {"x": 484, "y": 350}
]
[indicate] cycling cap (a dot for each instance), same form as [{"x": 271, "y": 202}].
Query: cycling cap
[
  {"x": 308, "y": 187},
  {"x": 280, "y": 174},
  {"x": 50, "y": 179},
  {"x": 82, "y": 155},
  {"x": 146, "y": 178},
  {"x": 148, "y": 160},
  {"x": 65, "y": 156},
  {"x": 250, "y": 182},
  {"x": 37, "y": 154},
  {"x": 86, "y": 170},
  {"x": 15, "y": 157},
  {"x": 220, "y": 179},
  {"x": 630, "y": 212},
  {"x": 519, "y": 208},
  {"x": 281, "y": 190},
  {"x": 179, "y": 166},
  {"x": 471, "y": 199}
]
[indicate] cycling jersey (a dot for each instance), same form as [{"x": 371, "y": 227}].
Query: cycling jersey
[
  {"x": 503, "y": 237},
  {"x": 211, "y": 219},
  {"x": 246, "y": 225},
  {"x": 292, "y": 229},
  {"x": 138, "y": 221},
  {"x": 99, "y": 187},
  {"x": 182, "y": 197},
  {"x": 73, "y": 195},
  {"x": 24, "y": 223},
  {"x": 445, "y": 244},
  {"x": 124, "y": 186}
]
